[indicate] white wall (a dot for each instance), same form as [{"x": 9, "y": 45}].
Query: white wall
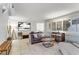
[
  {"x": 34, "y": 25},
  {"x": 14, "y": 24},
  {"x": 3, "y": 25}
]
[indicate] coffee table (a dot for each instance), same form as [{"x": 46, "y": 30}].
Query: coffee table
[{"x": 47, "y": 42}]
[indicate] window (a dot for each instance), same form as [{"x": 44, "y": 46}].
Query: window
[{"x": 40, "y": 27}]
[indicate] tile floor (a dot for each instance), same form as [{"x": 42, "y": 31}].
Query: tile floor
[{"x": 23, "y": 47}]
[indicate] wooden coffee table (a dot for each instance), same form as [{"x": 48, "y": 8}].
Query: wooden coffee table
[{"x": 47, "y": 42}]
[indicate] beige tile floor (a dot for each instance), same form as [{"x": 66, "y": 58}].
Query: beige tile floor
[
  {"x": 68, "y": 48},
  {"x": 23, "y": 47}
]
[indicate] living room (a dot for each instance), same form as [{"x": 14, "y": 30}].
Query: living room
[{"x": 49, "y": 28}]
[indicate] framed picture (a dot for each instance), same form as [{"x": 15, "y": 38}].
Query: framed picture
[{"x": 24, "y": 26}]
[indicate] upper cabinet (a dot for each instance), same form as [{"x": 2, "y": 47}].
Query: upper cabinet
[
  {"x": 66, "y": 25},
  {"x": 53, "y": 26},
  {"x": 59, "y": 25},
  {"x": 62, "y": 25},
  {"x": 68, "y": 22},
  {"x": 75, "y": 23}
]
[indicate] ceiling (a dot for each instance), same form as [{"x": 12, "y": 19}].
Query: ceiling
[{"x": 42, "y": 11}]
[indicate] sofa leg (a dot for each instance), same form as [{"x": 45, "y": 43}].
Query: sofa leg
[{"x": 6, "y": 52}]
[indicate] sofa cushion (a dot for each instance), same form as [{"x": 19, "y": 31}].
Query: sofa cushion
[{"x": 35, "y": 35}]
